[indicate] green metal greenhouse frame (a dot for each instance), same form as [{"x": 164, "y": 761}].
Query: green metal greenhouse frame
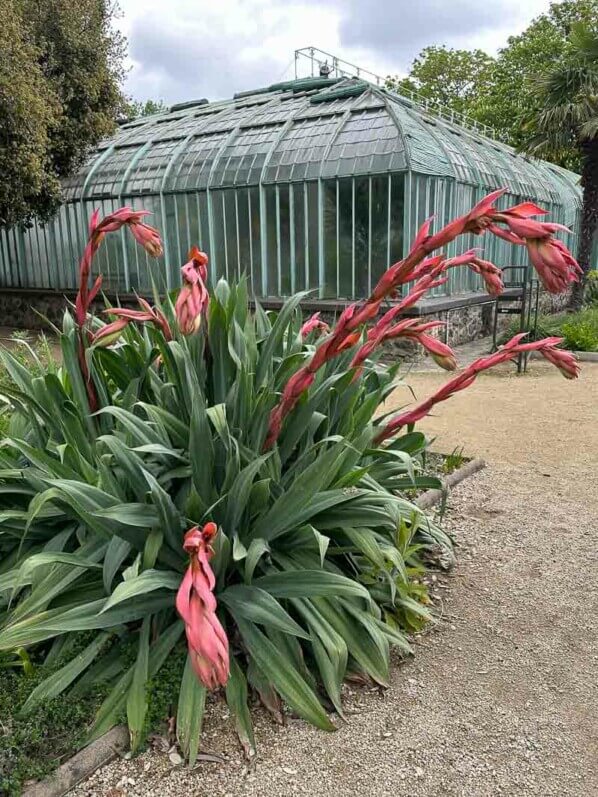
[{"x": 315, "y": 183}]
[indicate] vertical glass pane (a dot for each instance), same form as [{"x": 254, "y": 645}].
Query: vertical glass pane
[
  {"x": 217, "y": 249},
  {"x": 271, "y": 245},
  {"x": 204, "y": 226},
  {"x": 171, "y": 234},
  {"x": 232, "y": 260},
  {"x": 285, "y": 240},
  {"x": 330, "y": 253},
  {"x": 192, "y": 215},
  {"x": 397, "y": 205},
  {"x": 299, "y": 227},
  {"x": 345, "y": 236},
  {"x": 184, "y": 240},
  {"x": 243, "y": 232},
  {"x": 379, "y": 227},
  {"x": 312, "y": 234},
  {"x": 256, "y": 248},
  {"x": 361, "y": 236}
]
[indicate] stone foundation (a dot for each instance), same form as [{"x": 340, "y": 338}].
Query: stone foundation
[{"x": 465, "y": 322}]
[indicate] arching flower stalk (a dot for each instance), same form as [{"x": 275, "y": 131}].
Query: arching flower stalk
[
  {"x": 564, "y": 361},
  {"x": 193, "y": 297},
  {"x": 555, "y": 264},
  {"x": 196, "y": 604},
  {"x": 147, "y": 236},
  {"x": 148, "y": 314}
]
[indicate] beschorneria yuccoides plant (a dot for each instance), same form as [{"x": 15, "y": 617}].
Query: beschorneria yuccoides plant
[
  {"x": 556, "y": 268},
  {"x": 257, "y": 439}
]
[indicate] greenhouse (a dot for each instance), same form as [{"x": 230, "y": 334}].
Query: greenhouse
[{"x": 313, "y": 184}]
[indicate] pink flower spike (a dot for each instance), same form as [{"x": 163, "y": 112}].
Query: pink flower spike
[
  {"x": 148, "y": 237},
  {"x": 565, "y": 361},
  {"x": 95, "y": 290},
  {"x": 462, "y": 260},
  {"x": 525, "y": 209},
  {"x": 442, "y": 354},
  {"x": 485, "y": 204},
  {"x": 94, "y": 220},
  {"x": 195, "y": 602},
  {"x": 506, "y": 235},
  {"x": 131, "y": 315},
  {"x": 109, "y": 333},
  {"x": 193, "y": 298},
  {"x": 312, "y": 324},
  {"x": 423, "y": 233}
]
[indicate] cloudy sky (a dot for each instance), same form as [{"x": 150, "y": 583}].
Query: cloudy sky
[{"x": 187, "y": 49}]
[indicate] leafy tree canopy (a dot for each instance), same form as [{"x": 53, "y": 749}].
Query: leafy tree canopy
[
  {"x": 60, "y": 69},
  {"x": 136, "y": 108},
  {"x": 512, "y": 93},
  {"x": 448, "y": 77},
  {"x": 502, "y": 91}
]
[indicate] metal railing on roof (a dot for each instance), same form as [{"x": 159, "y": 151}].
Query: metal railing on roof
[{"x": 320, "y": 59}]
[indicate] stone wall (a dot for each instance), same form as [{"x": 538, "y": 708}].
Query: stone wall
[
  {"x": 34, "y": 309},
  {"x": 30, "y": 309}
]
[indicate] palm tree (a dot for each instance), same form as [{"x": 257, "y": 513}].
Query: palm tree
[{"x": 568, "y": 124}]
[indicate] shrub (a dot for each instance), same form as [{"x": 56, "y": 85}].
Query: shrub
[
  {"x": 591, "y": 288},
  {"x": 580, "y": 330},
  {"x": 232, "y": 462}
]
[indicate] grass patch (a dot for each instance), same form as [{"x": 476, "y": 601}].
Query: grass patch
[{"x": 34, "y": 353}]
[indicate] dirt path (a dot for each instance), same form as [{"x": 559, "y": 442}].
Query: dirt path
[{"x": 502, "y": 697}]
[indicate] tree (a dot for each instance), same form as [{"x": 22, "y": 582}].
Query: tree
[
  {"x": 450, "y": 78},
  {"x": 567, "y": 96},
  {"x": 28, "y": 112},
  {"x": 136, "y": 108},
  {"x": 510, "y": 92},
  {"x": 60, "y": 68}
]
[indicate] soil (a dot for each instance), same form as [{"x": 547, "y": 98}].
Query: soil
[{"x": 502, "y": 695}]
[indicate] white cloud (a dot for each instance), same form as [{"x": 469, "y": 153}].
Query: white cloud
[{"x": 186, "y": 49}]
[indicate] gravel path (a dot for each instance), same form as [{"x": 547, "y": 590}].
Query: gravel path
[{"x": 502, "y": 696}]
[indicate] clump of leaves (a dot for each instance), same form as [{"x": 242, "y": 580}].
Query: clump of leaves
[{"x": 454, "y": 460}]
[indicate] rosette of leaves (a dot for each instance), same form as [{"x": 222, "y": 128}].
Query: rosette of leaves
[{"x": 318, "y": 555}]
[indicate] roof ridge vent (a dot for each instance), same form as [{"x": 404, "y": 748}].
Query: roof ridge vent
[
  {"x": 181, "y": 106},
  {"x": 348, "y": 87}
]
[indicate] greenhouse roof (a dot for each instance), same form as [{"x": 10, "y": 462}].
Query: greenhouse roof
[{"x": 303, "y": 130}]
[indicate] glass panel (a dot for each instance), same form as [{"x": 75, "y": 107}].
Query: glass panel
[
  {"x": 204, "y": 225},
  {"x": 256, "y": 250},
  {"x": 192, "y": 216},
  {"x": 243, "y": 238},
  {"x": 271, "y": 247},
  {"x": 217, "y": 250},
  {"x": 397, "y": 206},
  {"x": 329, "y": 288},
  {"x": 345, "y": 235},
  {"x": 285, "y": 240},
  {"x": 232, "y": 257},
  {"x": 149, "y": 170},
  {"x": 183, "y": 228},
  {"x": 312, "y": 231},
  {"x": 299, "y": 226},
  {"x": 361, "y": 236}
]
